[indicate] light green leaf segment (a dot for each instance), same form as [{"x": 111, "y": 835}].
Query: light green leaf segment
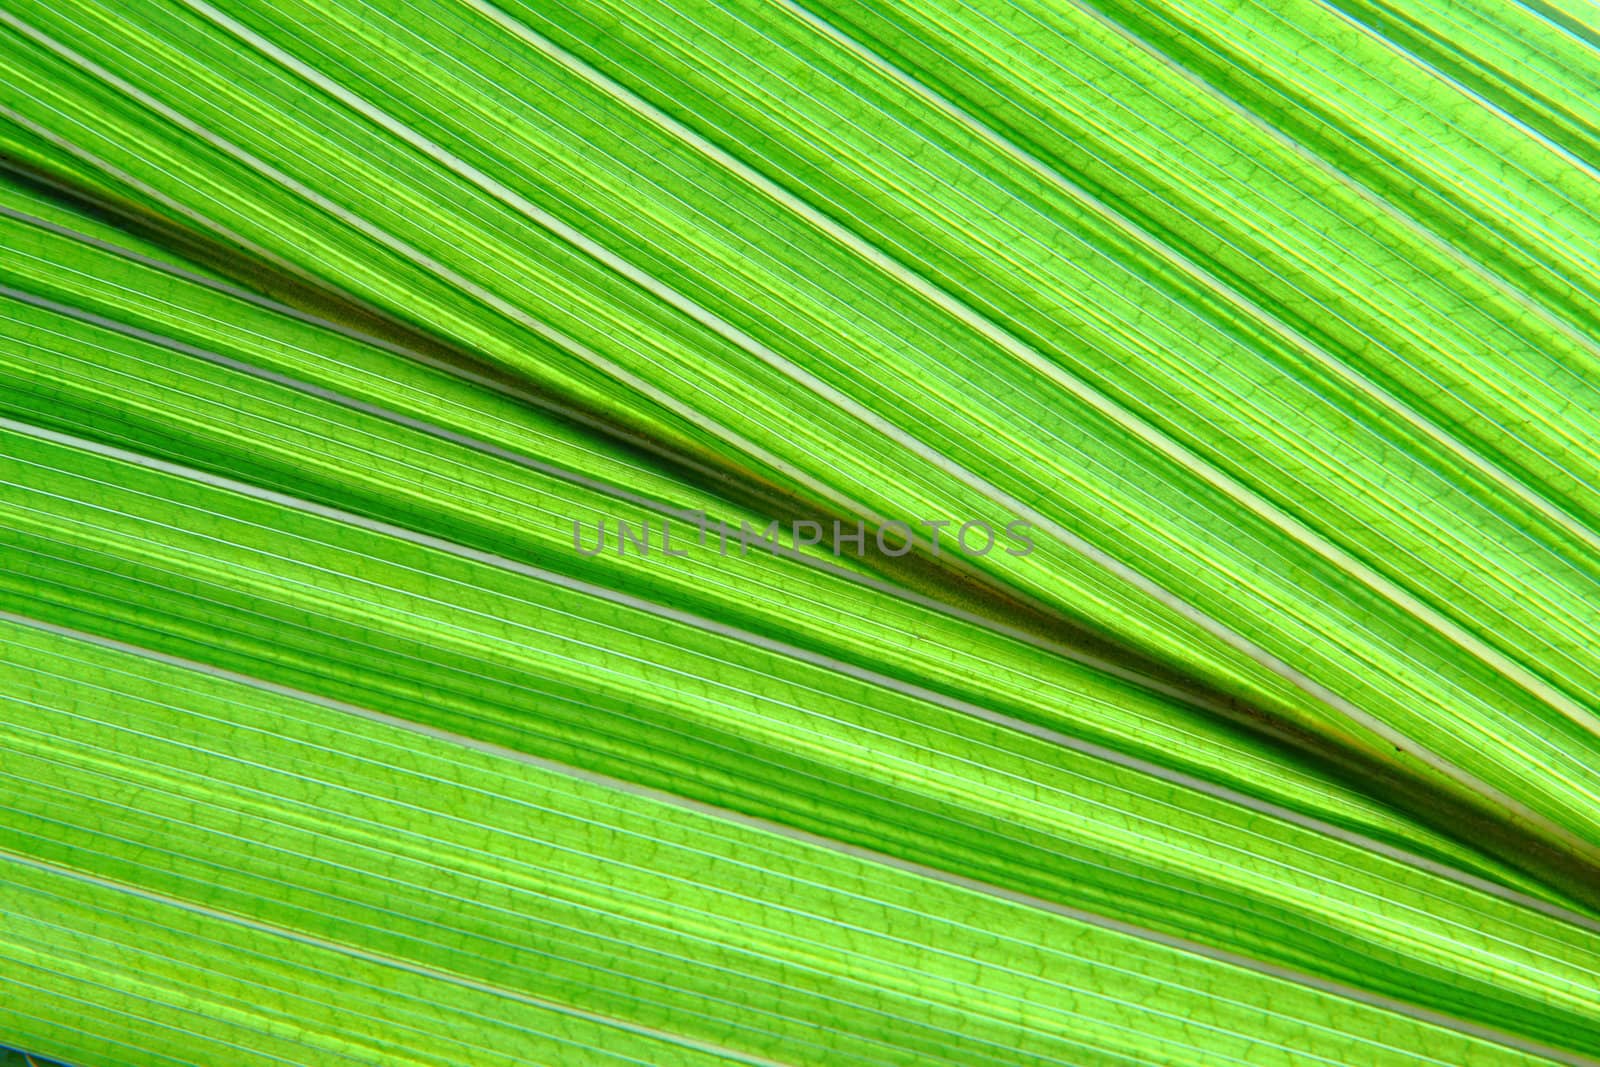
[{"x": 321, "y": 324}]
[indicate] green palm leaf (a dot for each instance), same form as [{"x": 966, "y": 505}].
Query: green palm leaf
[{"x": 326, "y": 328}]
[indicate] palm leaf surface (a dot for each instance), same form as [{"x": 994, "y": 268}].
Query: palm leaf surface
[{"x": 1289, "y": 364}]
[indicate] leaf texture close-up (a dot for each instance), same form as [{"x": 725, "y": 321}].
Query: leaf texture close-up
[{"x": 792, "y": 532}]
